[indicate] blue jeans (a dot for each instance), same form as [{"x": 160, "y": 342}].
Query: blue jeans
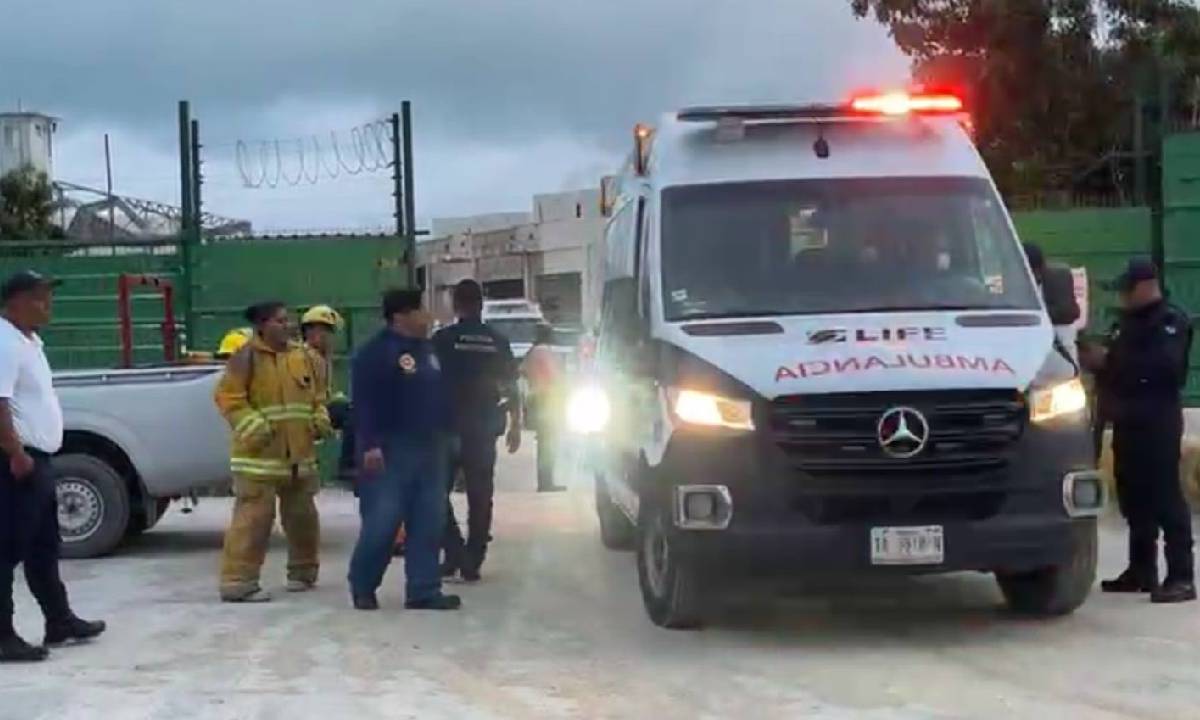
[{"x": 411, "y": 490}]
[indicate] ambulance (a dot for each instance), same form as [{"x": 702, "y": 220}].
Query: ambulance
[{"x": 822, "y": 352}]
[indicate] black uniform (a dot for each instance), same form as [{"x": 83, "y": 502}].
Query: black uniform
[
  {"x": 1141, "y": 382},
  {"x": 478, "y": 366}
]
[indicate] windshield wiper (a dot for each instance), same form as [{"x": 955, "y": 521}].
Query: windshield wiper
[
  {"x": 918, "y": 308},
  {"x": 731, "y": 315}
]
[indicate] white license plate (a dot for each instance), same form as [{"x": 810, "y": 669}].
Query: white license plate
[{"x": 908, "y": 545}]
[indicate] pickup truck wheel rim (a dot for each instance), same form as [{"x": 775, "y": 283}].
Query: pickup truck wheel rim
[
  {"x": 658, "y": 558},
  {"x": 80, "y": 509}
]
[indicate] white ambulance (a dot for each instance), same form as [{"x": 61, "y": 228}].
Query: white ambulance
[{"x": 823, "y": 352}]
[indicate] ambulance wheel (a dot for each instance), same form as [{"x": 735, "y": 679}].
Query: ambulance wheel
[
  {"x": 1060, "y": 590},
  {"x": 93, "y": 506},
  {"x": 616, "y": 531},
  {"x": 671, "y": 587}
]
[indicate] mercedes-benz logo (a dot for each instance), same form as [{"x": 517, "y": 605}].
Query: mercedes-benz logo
[{"x": 903, "y": 432}]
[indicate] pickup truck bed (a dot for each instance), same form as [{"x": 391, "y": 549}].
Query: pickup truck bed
[{"x": 135, "y": 440}]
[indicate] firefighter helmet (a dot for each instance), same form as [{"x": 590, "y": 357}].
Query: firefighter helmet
[
  {"x": 322, "y": 315},
  {"x": 234, "y": 340}
]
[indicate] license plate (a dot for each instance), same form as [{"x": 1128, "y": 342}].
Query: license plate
[{"x": 908, "y": 545}]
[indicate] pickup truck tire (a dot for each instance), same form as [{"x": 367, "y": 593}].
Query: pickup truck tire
[
  {"x": 93, "y": 506},
  {"x": 1059, "y": 590},
  {"x": 671, "y": 588},
  {"x": 616, "y": 531}
]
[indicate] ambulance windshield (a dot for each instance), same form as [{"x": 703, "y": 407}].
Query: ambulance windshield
[{"x": 839, "y": 246}]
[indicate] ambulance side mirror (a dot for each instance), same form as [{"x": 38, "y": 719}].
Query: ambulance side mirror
[{"x": 1058, "y": 289}]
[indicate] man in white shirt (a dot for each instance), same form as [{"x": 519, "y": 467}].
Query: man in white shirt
[{"x": 31, "y": 430}]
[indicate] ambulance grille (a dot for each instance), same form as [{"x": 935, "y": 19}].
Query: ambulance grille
[{"x": 969, "y": 431}]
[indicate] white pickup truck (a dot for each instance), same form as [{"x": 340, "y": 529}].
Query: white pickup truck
[{"x": 135, "y": 440}]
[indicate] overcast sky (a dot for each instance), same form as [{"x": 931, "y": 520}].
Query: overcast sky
[{"x": 511, "y": 97}]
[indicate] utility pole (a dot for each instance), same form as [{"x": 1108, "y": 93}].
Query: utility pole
[
  {"x": 187, "y": 195},
  {"x": 112, "y": 221},
  {"x": 410, "y": 207}
]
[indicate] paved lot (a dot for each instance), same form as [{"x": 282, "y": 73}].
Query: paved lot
[{"x": 557, "y": 630}]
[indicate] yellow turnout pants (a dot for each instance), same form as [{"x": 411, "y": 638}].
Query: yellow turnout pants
[{"x": 249, "y": 531}]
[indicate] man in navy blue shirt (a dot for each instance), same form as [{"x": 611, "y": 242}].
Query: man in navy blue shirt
[
  {"x": 480, "y": 372},
  {"x": 401, "y": 415}
]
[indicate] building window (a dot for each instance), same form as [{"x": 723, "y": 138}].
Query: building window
[{"x": 10, "y": 137}]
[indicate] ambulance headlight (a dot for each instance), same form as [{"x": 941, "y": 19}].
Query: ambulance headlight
[
  {"x": 588, "y": 410},
  {"x": 1057, "y": 401},
  {"x": 694, "y": 407}
]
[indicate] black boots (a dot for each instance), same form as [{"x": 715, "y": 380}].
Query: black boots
[
  {"x": 437, "y": 602},
  {"x": 366, "y": 602},
  {"x": 15, "y": 650},
  {"x": 72, "y": 629},
  {"x": 1130, "y": 581},
  {"x": 1174, "y": 591}
]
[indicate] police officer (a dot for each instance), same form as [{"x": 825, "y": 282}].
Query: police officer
[
  {"x": 1142, "y": 373},
  {"x": 480, "y": 371},
  {"x": 402, "y": 421}
]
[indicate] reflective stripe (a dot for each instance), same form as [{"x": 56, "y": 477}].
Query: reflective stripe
[
  {"x": 243, "y": 426},
  {"x": 259, "y": 466},
  {"x": 293, "y": 411},
  {"x": 255, "y": 425}
]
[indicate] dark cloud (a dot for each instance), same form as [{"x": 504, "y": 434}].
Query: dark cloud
[{"x": 511, "y": 97}]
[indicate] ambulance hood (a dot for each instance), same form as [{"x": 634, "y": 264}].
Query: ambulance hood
[{"x": 873, "y": 353}]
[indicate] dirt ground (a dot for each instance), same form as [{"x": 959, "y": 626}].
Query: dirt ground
[{"x": 557, "y": 630}]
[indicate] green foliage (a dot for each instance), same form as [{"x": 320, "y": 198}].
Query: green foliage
[
  {"x": 26, "y": 206},
  {"x": 1051, "y": 83}
]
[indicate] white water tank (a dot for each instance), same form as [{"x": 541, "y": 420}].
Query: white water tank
[{"x": 27, "y": 139}]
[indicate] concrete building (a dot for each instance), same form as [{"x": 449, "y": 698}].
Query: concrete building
[
  {"x": 479, "y": 223},
  {"x": 27, "y": 139},
  {"x": 550, "y": 258}
]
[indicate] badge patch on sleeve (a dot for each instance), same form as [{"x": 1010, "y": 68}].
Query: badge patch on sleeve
[{"x": 408, "y": 364}]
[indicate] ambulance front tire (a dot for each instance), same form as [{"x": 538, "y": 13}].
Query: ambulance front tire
[
  {"x": 672, "y": 591},
  {"x": 616, "y": 531},
  {"x": 1060, "y": 590}
]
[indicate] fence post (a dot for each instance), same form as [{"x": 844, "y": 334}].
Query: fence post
[
  {"x": 187, "y": 198},
  {"x": 410, "y": 207},
  {"x": 397, "y": 178}
]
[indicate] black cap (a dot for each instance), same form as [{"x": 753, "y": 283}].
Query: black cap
[
  {"x": 1139, "y": 269},
  {"x": 24, "y": 282}
]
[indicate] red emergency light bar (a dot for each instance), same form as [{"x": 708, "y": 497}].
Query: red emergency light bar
[
  {"x": 880, "y": 105},
  {"x": 902, "y": 103}
]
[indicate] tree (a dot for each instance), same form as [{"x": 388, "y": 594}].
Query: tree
[
  {"x": 26, "y": 205},
  {"x": 1050, "y": 83}
]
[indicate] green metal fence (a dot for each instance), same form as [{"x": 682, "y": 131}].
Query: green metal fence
[
  {"x": 84, "y": 332},
  {"x": 1099, "y": 239},
  {"x": 1181, "y": 231},
  {"x": 347, "y": 272}
]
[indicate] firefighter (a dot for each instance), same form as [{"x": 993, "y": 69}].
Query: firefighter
[
  {"x": 1142, "y": 374},
  {"x": 273, "y": 395},
  {"x": 480, "y": 371}
]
